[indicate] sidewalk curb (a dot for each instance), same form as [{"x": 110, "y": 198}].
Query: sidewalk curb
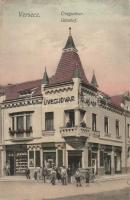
[{"x": 97, "y": 180}]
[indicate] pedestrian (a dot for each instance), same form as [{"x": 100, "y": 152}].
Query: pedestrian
[
  {"x": 40, "y": 173},
  {"x": 87, "y": 177},
  {"x": 53, "y": 176},
  {"x": 78, "y": 178},
  {"x": 7, "y": 169},
  {"x": 69, "y": 174},
  {"x": 27, "y": 173},
  {"x": 64, "y": 176},
  {"x": 44, "y": 173},
  {"x": 58, "y": 174},
  {"x": 35, "y": 175}
]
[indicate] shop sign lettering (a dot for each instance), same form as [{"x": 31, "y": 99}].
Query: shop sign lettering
[
  {"x": 88, "y": 101},
  {"x": 59, "y": 100}
]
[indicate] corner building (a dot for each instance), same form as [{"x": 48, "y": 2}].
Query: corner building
[{"x": 65, "y": 120}]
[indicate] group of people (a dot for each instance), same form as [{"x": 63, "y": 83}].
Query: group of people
[{"x": 61, "y": 174}]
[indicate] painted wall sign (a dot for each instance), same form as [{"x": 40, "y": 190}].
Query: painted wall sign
[
  {"x": 88, "y": 101},
  {"x": 59, "y": 100}
]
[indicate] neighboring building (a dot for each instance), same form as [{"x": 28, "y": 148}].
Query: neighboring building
[
  {"x": 2, "y": 98},
  {"x": 65, "y": 120}
]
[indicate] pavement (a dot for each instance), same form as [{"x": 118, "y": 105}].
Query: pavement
[{"x": 17, "y": 187}]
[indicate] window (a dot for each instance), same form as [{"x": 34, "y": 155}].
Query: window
[
  {"x": 117, "y": 128},
  {"x": 28, "y": 121},
  {"x": 94, "y": 122},
  {"x": 106, "y": 124},
  {"x": 37, "y": 156},
  {"x": 49, "y": 121},
  {"x": 13, "y": 122},
  {"x": 70, "y": 118},
  {"x": 101, "y": 158},
  {"x": 128, "y": 128},
  {"x": 34, "y": 158},
  {"x": 31, "y": 158},
  {"x": 20, "y": 122},
  {"x": 49, "y": 158}
]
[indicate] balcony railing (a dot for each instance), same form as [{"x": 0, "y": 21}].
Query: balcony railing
[
  {"x": 48, "y": 132},
  {"x": 95, "y": 133},
  {"x": 21, "y": 134},
  {"x": 76, "y": 131}
]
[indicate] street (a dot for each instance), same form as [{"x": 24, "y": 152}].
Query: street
[{"x": 31, "y": 190}]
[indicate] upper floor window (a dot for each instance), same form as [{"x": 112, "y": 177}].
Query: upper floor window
[
  {"x": 117, "y": 128},
  {"x": 106, "y": 125},
  {"x": 21, "y": 122},
  {"x": 70, "y": 118},
  {"x": 94, "y": 122},
  {"x": 49, "y": 121},
  {"x": 128, "y": 129}
]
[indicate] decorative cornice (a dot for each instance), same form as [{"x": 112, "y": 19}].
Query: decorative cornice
[
  {"x": 58, "y": 90},
  {"x": 22, "y": 102}
]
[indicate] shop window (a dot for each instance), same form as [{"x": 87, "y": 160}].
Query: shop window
[
  {"x": 117, "y": 128},
  {"x": 118, "y": 162},
  {"x": 49, "y": 121},
  {"x": 101, "y": 158},
  {"x": 94, "y": 122},
  {"x": 49, "y": 158},
  {"x": 128, "y": 129},
  {"x": 106, "y": 124},
  {"x": 60, "y": 157},
  {"x": 37, "y": 158},
  {"x": 34, "y": 158},
  {"x": 31, "y": 158}
]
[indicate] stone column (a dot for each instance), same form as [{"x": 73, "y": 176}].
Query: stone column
[
  {"x": 41, "y": 157},
  {"x": 85, "y": 157},
  {"x": 98, "y": 160},
  {"x": 113, "y": 160},
  {"x": 77, "y": 117},
  {"x": 65, "y": 157}
]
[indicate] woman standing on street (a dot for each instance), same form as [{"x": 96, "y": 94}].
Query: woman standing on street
[{"x": 53, "y": 176}]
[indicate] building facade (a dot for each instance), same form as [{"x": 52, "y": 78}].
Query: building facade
[{"x": 64, "y": 120}]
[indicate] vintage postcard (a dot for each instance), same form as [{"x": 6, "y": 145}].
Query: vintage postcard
[{"x": 64, "y": 99}]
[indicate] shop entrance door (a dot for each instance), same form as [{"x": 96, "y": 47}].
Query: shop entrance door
[
  {"x": 94, "y": 162},
  {"x": 12, "y": 166},
  {"x": 107, "y": 163},
  {"x": 75, "y": 160}
]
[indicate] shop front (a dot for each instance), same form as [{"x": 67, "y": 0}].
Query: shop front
[{"x": 16, "y": 159}]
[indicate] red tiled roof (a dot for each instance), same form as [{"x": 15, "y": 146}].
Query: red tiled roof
[
  {"x": 117, "y": 100},
  {"x": 13, "y": 91},
  {"x": 66, "y": 67}
]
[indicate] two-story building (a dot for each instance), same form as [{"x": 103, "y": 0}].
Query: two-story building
[{"x": 65, "y": 120}]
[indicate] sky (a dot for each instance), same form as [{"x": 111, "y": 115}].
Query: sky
[{"x": 101, "y": 34}]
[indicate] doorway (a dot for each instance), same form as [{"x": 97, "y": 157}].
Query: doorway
[
  {"x": 12, "y": 165},
  {"x": 75, "y": 160},
  {"x": 107, "y": 163}
]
